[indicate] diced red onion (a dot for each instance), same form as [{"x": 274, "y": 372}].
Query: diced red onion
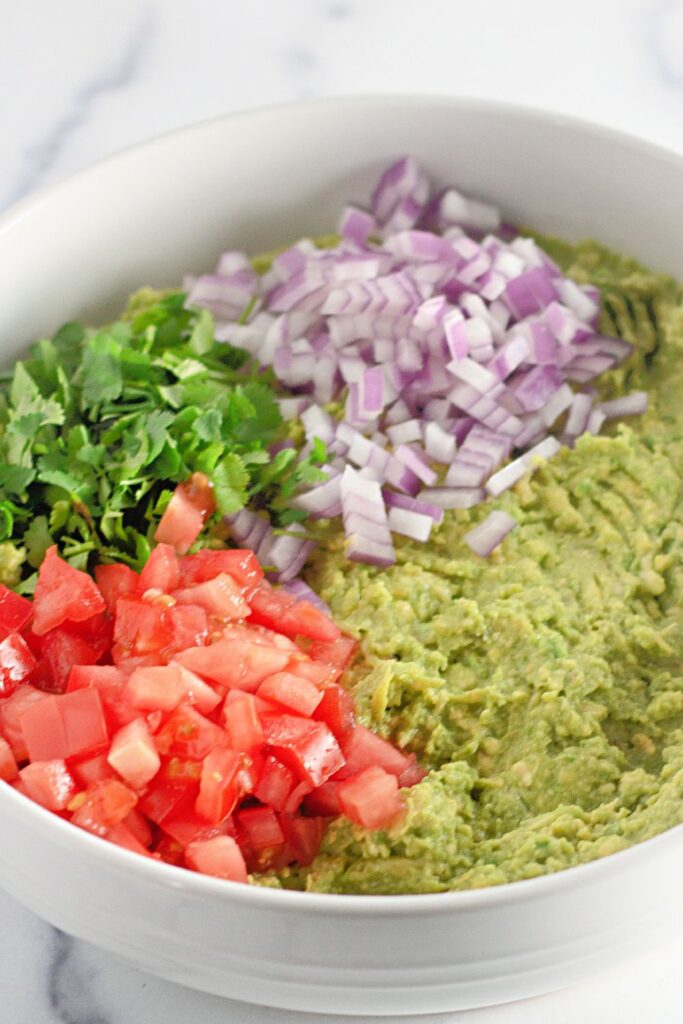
[
  {"x": 630, "y": 405},
  {"x": 302, "y": 592},
  {"x": 453, "y": 497},
  {"x": 485, "y": 537},
  {"x": 410, "y": 524}
]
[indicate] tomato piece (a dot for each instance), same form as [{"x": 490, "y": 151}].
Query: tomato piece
[
  {"x": 15, "y": 611},
  {"x": 189, "y": 627},
  {"x": 242, "y": 722},
  {"x": 170, "y": 851},
  {"x": 241, "y": 564},
  {"x": 116, "y": 581},
  {"x": 166, "y": 797},
  {"x": 82, "y": 716},
  {"x": 371, "y": 799},
  {"x": 43, "y": 731},
  {"x": 157, "y": 686},
  {"x": 364, "y": 749},
  {"x": 63, "y": 594},
  {"x": 185, "y": 826},
  {"x": 246, "y": 632},
  {"x": 220, "y": 597},
  {"x": 141, "y": 627},
  {"x": 292, "y": 692},
  {"x": 303, "y": 837},
  {"x": 63, "y": 649},
  {"x": 309, "y": 748},
  {"x": 161, "y": 570},
  {"x": 219, "y": 788},
  {"x": 110, "y": 683},
  {"x": 261, "y": 828},
  {"x": 137, "y": 824},
  {"x": 91, "y": 769},
  {"x": 338, "y": 653},
  {"x": 188, "y": 734},
  {"x": 295, "y": 798},
  {"x": 199, "y": 490},
  {"x": 17, "y": 663},
  {"x": 336, "y": 710},
  {"x": 275, "y": 784},
  {"x": 220, "y": 857},
  {"x": 234, "y": 663},
  {"x": 315, "y": 671},
  {"x": 412, "y": 774},
  {"x": 123, "y": 836},
  {"x": 181, "y": 523},
  {"x": 8, "y": 765},
  {"x": 11, "y": 711},
  {"x": 250, "y": 769},
  {"x": 103, "y": 806},
  {"x": 324, "y": 801},
  {"x": 278, "y": 610},
  {"x": 49, "y": 783},
  {"x": 134, "y": 755}
]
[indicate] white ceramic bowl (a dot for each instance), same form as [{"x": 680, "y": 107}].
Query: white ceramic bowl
[{"x": 255, "y": 181}]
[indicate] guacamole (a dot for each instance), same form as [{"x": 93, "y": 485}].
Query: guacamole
[{"x": 542, "y": 688}]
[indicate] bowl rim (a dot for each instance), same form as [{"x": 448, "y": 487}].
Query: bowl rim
[{"x": 123, "y": 860}]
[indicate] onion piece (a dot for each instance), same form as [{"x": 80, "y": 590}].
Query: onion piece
[
  {"x": 632, "y": 404},
  {"x": 485, "y": 537}
]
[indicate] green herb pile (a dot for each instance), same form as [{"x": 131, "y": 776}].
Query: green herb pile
[{"x": 97, "y": 427}]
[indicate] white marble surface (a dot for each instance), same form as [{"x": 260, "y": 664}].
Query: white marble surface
[{"x": 80, "y": 79}]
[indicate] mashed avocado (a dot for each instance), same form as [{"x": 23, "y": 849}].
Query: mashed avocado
[{"x": 543, "y": 687}]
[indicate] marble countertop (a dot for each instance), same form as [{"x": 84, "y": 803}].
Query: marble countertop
[{"x": 80, "y": 80}]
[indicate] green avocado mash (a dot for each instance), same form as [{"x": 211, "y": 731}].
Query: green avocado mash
[{"x": 542, "y": 687}]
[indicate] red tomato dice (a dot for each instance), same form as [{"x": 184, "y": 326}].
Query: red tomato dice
[
  {"x": 336, "y": 711},
  {"x": 181, "y": 523},
  {"x": 278, "y": 610},
  {"x": 123, "y": 836},
  {"x": 261, "y": 829},
  {"x": 8, "y": 765},
  {"x": 17, "y": 664},
  {"x": 189, "y": 627},
  {"x": 292, "y": 692},
  {"x": 137, "y": 824},
  {"x": 242, "y": 722},
  {"x": 84, "y": 723},
  {"x": 63, "y": 594},
  {"x": 141, "y": 627},
  {"x": 89, "y": 770},
  {"x": 116, "y": 581},
  {"x": 234, "y": 663},
  {"x": 219, "y": 788},
  {"x": 11, "y": 710},
  {"x": 275, "y": 784},
  {"x": 134, "y": 755},
  {"x": 241, "y": 564},
  {"x": 220, "y": 857},
  {"x": 324, "y": 801},
  {"x": 62, "y": 649},
  {"x": 309, "y": 748},
  {"x": 161, "y": 571},
  {"x": 303, "y": 837},
  {"x": 49, "y": 783},
  {"x": 371, "y": 799},
  {"x": 156, "y": 687},
  {"x": 364, "y": 749},
  {"x": 338, "y": 653},
  {"x": 315, "y": 671},
  {"x": 164, "y": 797},
  {"x": 110, "y": 682},
  {"x": 103, "y": 806},
  {"x": 15, "y": 612},
  {"x": 221, "y": 597},
  {"x": 188, "y": 734}
]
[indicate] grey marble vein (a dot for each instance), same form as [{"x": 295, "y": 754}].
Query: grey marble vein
[
  {"x": 120, "y": 72},
  {"x": 69, "y": 993}
]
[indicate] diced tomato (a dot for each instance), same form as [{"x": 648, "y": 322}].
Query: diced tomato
[
  {"x": 49, "y": 783},
  {"x": 292, "y": 692},
  {"x": 63, "y": 649},
  {"x": 242, "y": 722},
  {"x": 110, "y": 682},
  {"x": 15, "y": 612},
  {"x": 338, "y": 653},
  {"x": 275, "y": 784},
  {"x": 278, "y": 610},
  {"x": 315, "y": 671},
  {"x": 371, "y": 799},
  {"x": 219, "y": 788},
  {"x": 188, "y": 734},
  {"x": 8, "y": 765},
  {"x": 412, "y": 774},
  {"x": 43, "y": 731},
  {"x": 11, "y": 710},
  {"x": 123, "y": 836},
  {"x": 185, "y": 826},
  {"x": 156, "y": 687},
  {"x": 189, "y": 627},
  {"x": 91, "y": 769},
  {"x": 116, "y": 581},
  {"x": 220, "y": 597},
  {"x": 296, "y": 797},
  {"x": 336, "y": 711},
  {"x": 170, "y": 851},
  {"x": 180, "y": 772},
  {"x": 17, "y": 664},
  {"x": 241, "y": 564},
  {"x": 234, "y": 663},
  {"x": 324, "y": 801},
  {"x": 165, "y": 797},
  {"x": 261, "y": 828},
  {"x": 220, "y": 857},
  {"x": 84, "y": 723},
  {"x": 250, "y": 770},
  {"x": 137, "y": 823},
  {"x": 253, "y": 634},
  {"x": 303, "y": 837},
  {"x": 141, "y": 627},
  {"x": 134, "y": 755},
  {"x": 181, "y": 523},
  {"x": 364, "y": 749},
  {"x": 103, "y": 806},
  {"x": 309, "y": 748},
  {"x": 63, "y": 594},
  {"x": 161, "y": 570}
]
